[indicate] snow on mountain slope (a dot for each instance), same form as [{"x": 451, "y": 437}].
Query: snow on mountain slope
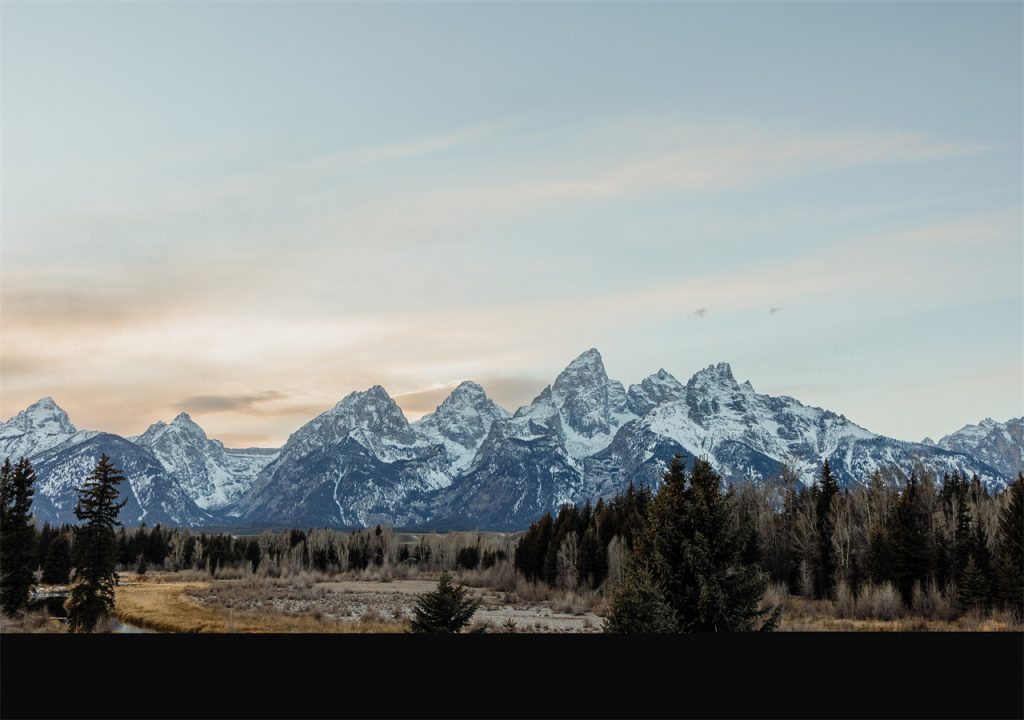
[
  {"x": 652, "y": 391},
  {"x": 37, "y": 428},
  {"x": 63, "y": 457},
  {"x": 534, "y": 461},
  {"x": 358, "y": 463},
  {"x": 213, "y": 476},
  {"x": 748, "y": 436},
  {"x": 591, "y": 406},
  {"x": 461, "y": 423},
  {"x": 153, "y": 495},
  {"x": 1000, "y": 444}
]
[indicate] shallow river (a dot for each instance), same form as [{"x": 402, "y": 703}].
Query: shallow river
[{"x": 54, "y": 605}]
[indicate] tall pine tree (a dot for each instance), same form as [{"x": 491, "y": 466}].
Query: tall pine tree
[
  {"x": 826, "y": 567},
  {"x": 1010, "y": 544},
  {"x": 911, "y": 559},
  {"x": 95, "y": 550},
  {"x": 688, "y": 559},
  {"x": 17, "y": 535}
]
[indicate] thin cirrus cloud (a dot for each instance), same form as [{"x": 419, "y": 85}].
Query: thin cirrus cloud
[
  {"x": 617, "y": 162},
  {"x": 517, "y": 170},
  {"x": 255, "y": 403}
]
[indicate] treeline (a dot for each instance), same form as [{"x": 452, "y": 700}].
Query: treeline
[
  {"x": 581, "y": 547},
  {"x": 928, "y": 538},
  {"x": 276, "y": 553}
]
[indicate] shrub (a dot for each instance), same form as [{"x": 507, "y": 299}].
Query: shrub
[
  {"x": 879, "y": 602},
  {"x": 446, "y": 610}
]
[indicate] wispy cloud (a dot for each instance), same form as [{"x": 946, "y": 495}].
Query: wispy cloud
[
  {"x": 426, "y": 145},
  {"x": 225, "y": 403}
]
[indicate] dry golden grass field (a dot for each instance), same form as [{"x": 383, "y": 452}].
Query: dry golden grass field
[{"x": 160, "y": 603}]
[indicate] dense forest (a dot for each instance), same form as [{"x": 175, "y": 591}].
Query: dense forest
[{"x": 928, "y": 543}]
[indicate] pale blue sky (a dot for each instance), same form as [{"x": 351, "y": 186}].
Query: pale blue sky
[{"x": 278, "y": 203}]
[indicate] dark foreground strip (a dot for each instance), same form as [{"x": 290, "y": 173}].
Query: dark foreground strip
[{"x": 794, "y": 675}]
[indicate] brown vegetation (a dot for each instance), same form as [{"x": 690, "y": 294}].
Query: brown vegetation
[
  {"x": 157, "y": 602},
  {"x": 878, "y": 609},
  {"x": 31, "y": 621}
]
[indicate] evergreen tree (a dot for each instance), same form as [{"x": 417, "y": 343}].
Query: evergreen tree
[
  {"x": 978, "y": 550},
  {"x": 688, "y": 558},
  {"x": 962, "y": 526},
  {"x": 533, "y": 547},
  {"x": 142, "y": 564},
  {"x": 445, "y": 610},
  {"x": 640, "y": 606},
  {"x": 1010, "y": 559},
  {"x": 879, "y": 556},
  {"x": 57, "y": 565},
  {"x": 789, "y": 558},
  {"x": 17, "y": 535},
  {"x": 826, "y": 566},
  {"x": 911, "y": 561},
  {"x": 971, "y": 589},
  {"x": 95, "y": 550},
  {"x": 592, "y": 565},
  {"x": 468, "y": 557}
]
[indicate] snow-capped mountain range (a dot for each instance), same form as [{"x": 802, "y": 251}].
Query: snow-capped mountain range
[
  {"x": 63, "y": 457},
  {"x": 472, "y": 464},
  {"x": 211, "y": 474}
]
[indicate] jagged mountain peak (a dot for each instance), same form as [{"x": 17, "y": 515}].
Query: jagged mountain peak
[
  {"x": 587, "y": 368},
  {"x": 372, "y": 414},
  {"x": 662, "y": 378},
  {"x": 40, "y": 426},
  {"x": 46, "y": 402},
  {"x": 1000, "y": 444},
  {"x": 374, "y": 392},
  {"x": 590, "y": 405},
  {"x": 587, "y": 357},
  {"x": 372, "y": 408},
  {"x": 467, "y": 396},
  {"x": 469, "y": 390},
  {"x": 46, "y": 412},
  {"x": 183, "y": 422},
  {"x": 461, "y": 422},
  {"x": 719, "y": 373},
  {"x": 654, "y": 390},
  {"x": 182, "y": 425}
]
